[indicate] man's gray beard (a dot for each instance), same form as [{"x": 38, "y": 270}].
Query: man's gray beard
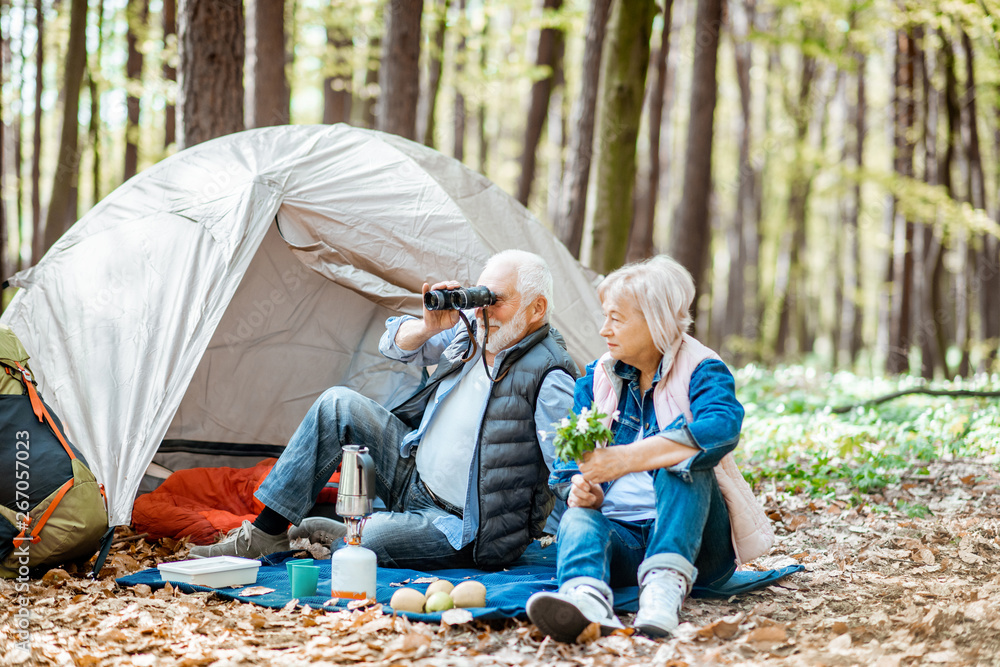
[{"x": 507, "y": 334}]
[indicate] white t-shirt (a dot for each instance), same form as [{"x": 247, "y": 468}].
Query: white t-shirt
[
  {"x": 631, "y": 497},
  {"x": 444, "y": 455}
]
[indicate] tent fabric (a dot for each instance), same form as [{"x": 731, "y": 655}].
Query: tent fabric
[
  {"x": 215, "y": 295},
  {"x": 202, "y": 502},
  {"x": 507, "y": 591}
]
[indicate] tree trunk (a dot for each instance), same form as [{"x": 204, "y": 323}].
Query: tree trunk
[
  {"x": 548, "y": 50},
  {"x": 624, "y": 85},
  {"x": 399, "y": 81},
  {"x": 640, "y": 242},
  {"x": 690, "y": 234},
  {"x": 971, "y": 165},
  {"x": 211, "y": 46},
  {"x": 557, "y": 141},
  {"x": 338, "y": 97},
  {"x": 458, "y": 147},
  {"x": 4, "y": 220},
  {"x": 924, "y": 241},
  {"x": 373, "y": 71},
  {"x": 573, "y": 199},
  {"x": 991, "y": 279},
  {"x": 62, "y": 205},
  {"x": 788, "y": 282},
  {"x": 93, "y": 87},
  {"x": 267, "y": 94},
  {"x": 902, "y": 280},
  {"x": 435, "y": 66},
  {"x": 37, "y": 228},
  {"x": 984, "y": 259},
  {"x": 742, "y": 280},
  {"x": 169, "y": 72},
  {"x": 481, "y": 112},
  {"x": 941, "y": 311},
  {"x": 849, "y": 343},
  {"x": 136, "y": 13},
  {"x": 18, "y": 131}
]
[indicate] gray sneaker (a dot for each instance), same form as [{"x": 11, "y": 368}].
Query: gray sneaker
[
  {"x": 660, "y": 598},
  {"x": 319, "y": 529},
  {"x": 247, "y": 541},
  {"x": 563, "y": 616}
]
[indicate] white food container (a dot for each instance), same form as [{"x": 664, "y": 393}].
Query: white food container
[{"x": 215, "y": 572}]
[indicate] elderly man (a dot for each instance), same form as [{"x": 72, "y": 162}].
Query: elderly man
[{"x": 459, "y": 464}]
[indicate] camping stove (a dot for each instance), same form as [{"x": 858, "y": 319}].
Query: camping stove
[{"x": 353, "y": 567}]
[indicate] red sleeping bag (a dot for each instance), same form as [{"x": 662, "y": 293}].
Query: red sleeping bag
[{"x": 202, "y": 502}]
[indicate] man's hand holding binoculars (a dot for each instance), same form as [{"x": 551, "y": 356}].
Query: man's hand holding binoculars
[
  {"x": 414, "y": 333},
  {"x": 438, "y": 320}
]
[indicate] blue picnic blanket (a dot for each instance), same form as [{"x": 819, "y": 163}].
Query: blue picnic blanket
[{"x": 507, "y": 591}]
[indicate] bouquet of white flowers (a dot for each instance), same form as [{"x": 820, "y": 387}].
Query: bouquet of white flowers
[{"x": 578, "y": 434}]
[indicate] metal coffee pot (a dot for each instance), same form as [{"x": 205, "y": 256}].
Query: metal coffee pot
[{"x": 356, "y": 494}]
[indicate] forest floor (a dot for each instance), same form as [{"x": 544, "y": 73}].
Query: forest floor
[{"x": 880, "y": 587}]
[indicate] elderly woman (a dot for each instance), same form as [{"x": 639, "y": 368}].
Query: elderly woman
[{"x": 646, "y": 509}]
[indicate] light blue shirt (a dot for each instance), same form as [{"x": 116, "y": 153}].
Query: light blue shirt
[{"x": 555, "y": 400}]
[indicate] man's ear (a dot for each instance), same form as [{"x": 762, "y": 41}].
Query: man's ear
[{"x": 536, "y": 314}]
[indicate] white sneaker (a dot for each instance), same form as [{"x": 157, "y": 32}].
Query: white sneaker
[
  {"x": 247, "y": 541},
  {"x": 663, "y": 591},
  {"x": 563, "y": 616},
  {"x": 319, "y": 529}
]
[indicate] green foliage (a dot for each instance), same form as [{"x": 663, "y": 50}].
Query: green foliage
[
  {"x": 792, "y": 442},
  {"x": 577, "y": 435}
]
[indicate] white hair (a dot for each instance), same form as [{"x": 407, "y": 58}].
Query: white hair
[
  {"x": 533, "y": 276},
  {"x": 662, "y": 289}
]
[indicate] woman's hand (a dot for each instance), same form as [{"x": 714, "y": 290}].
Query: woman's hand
[
  {"x": 606, "y": 464},
  {"x": 584, "y": 494}
]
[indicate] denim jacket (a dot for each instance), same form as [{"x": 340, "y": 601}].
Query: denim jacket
[{"x": 714, "y": 429}]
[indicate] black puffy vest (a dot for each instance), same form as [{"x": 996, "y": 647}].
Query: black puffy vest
[{"x": 514, "y": 498}]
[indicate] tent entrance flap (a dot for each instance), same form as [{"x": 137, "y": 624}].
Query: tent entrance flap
[{"x": 288, "y": 335}]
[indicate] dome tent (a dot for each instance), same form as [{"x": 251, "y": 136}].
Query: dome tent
[{"x": 208, "y": 301}]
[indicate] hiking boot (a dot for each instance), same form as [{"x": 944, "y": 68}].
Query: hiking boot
[
  {"x": 319, "y": 529},
  {"x": 247, "y": 541},
  {"x": 563, "y": 616},
  {"x": 663, "y": 592}
]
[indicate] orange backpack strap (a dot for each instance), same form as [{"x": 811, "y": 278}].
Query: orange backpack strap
[
  {"x": 39, "y": 409},
  {"x": 49, "y": 510}
]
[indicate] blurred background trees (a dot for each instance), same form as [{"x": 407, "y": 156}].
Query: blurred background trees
[{"x": 828, "y": 171}]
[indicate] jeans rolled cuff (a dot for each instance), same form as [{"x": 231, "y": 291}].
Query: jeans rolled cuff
[
  {"x": 605, "y": 590},
  {"x": 295, "y": 516},
  {"x": 674, "y": 562}
]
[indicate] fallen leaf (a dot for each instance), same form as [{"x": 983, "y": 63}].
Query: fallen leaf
[
  {"x": 797, "y": 522},
  {"x": 839, "y": 643},
  {"x": 590, "y": 633},
  {"x": 767, "y": 636},
  {"x": 456, "y": 616},
  {"x": 970, "y": 558},
  {"x": 725, "y": 628},
  {"x": 55, "y": 575},
  {"x": 255, "y": 590}
]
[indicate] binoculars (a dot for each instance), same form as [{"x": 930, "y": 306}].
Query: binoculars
[{"x": 463, "y": 298}]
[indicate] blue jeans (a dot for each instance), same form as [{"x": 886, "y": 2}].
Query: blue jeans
[
  {"x": 690, "y": 534},
  {"x": 405, "y": 535}
]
